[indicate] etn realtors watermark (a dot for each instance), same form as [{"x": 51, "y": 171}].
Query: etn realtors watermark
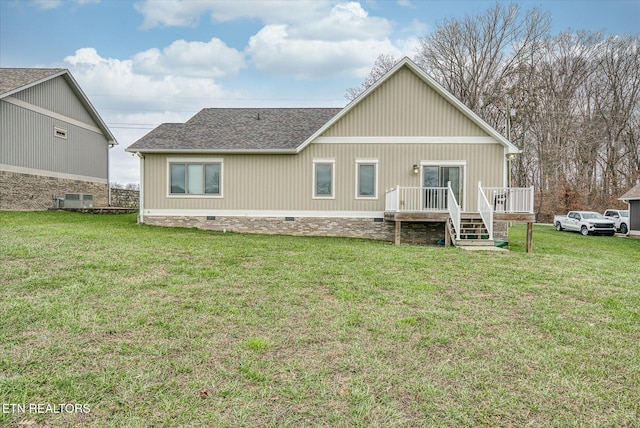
[{"x": 43, "y": 408}]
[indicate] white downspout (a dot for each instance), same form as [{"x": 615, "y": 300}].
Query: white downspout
[
  {"x": 109, "y": 147},
  {"x": 141, "y": 195}
]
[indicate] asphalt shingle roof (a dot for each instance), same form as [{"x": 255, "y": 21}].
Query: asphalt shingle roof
[
  {"x": 15, "y": 78},
  {"x": 238, "y": 129},
  {"x": 633, "y": 193}
]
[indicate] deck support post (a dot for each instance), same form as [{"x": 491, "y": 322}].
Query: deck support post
[
  {"x": 398, "y": 232},
  {"x": 447, "y": 235},
  {"x": 529, "y": 237}
]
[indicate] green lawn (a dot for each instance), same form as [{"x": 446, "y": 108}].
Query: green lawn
[{"x": 150, "y": 326}]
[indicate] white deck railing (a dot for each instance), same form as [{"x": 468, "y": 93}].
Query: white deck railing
[
  {"x": 454, "y": 211},
  {"x": 486, "y": 211},
  {"x": 417, "y": 199},
  {"x": 510, "y": 199}
]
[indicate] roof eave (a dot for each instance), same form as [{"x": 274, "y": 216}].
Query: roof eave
[
  {"x": 87, "y": 104},
  {"x": 214, "y": 151}
]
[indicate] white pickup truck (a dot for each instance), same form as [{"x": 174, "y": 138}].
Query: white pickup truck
[
  {"x": 585, "y": 222},
  {"x": 620, "y": 218}
]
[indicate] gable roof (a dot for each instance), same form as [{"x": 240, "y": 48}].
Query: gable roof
[
  {"x": 632, "y": 195},
  {"x": 429, "y": 81},
  {"x": 13, "y": 80},
  {"x": 237, "y": 129},
  {"x": 284, "y": 130}
]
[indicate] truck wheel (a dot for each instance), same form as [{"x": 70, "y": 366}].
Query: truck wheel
[
  {"x": 584, "y": 230},
  {"x": 624, "y": 229},
  {"x": 558, "y": 226}
]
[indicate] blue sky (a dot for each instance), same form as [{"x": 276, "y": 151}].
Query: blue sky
[{"x": 146, "y": 62}]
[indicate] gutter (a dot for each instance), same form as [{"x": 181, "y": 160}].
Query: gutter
[{"x": 222, "y": 151}]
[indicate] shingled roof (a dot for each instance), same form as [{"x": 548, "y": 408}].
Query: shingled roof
[
  {"x": 633, "y": 194},
  {"x": 15, "y": 79},
  {"x": 241, "y": 129}
]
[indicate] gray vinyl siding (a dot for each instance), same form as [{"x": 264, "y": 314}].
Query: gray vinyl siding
[
  {"x": 28, "y": 141},
  {"x": 405, "y": 106},
  {"x": 285, "y": 182},
  {"x": 56, "y": 95},
  {"x": 634, "y": 215}
]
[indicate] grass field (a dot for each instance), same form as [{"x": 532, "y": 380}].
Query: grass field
[{"x": 147, "y": 326}]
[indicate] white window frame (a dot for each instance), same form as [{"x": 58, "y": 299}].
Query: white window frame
[
  {"x": 203, "y": 161},
  {"x": 331, "y": 162},
  {"x": 459, "y": 163},
  {"x": 373, "y": 162}
]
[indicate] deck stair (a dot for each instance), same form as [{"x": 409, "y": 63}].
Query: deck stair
[{"x": 473, "y": 231}]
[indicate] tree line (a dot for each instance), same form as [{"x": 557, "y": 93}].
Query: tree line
[{"x": 570, "y": 102}]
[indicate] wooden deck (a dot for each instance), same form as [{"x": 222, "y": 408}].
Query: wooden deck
[{"x": 443, "y": 217}]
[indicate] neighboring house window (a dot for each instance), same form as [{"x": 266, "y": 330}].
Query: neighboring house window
[
  {"x": 195, "y": 177},
  {"x": 367, "y": 179},
  {"x": 323, "y": 178}
]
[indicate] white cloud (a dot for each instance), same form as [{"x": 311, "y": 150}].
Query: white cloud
[
  {"x": 212, "y": 59},
  {"x": 345, "y": 21},
  {"x": 178, "y": 13},
  {"x": 132, "y": 104},
  {"x": 309, "y": 39},
  {"x": 53, "y": 4},
  {"x": 272, "y": 50}
]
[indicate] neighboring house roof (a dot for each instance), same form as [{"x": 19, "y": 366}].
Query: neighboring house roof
[
  {"x": 237, "y": 129},
  {"x": 279, "y": 130},
  {"x": 13, "y": 80},
  {"x": 631, "y": 195}
]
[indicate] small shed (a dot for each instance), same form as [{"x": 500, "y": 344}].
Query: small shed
[{"x": 632, "y": 198}]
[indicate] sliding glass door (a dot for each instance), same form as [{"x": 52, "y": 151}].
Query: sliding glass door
[{"x": 438, "y": 176}]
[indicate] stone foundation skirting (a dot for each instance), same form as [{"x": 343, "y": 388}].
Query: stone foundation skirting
[
  {"x": 35, "y": 192},
  {"x": 364, "y": 228},
  {"x": 125, "y": 198}
]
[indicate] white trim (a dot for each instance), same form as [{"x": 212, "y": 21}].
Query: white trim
[
  {"x": 462, "y": 164},
  {"x": 44, "y": 173},
  {"x": 216, "y": 151},
  {"x": 265, "y": 213},
  {"x": 433, "y": 85},
  {"x": 60, "y": 132},
  {"x": 53, "y": 115},
  {"x": 443, "y": 163},
  {"x": 405, "y": 140},
  {"x": 141, "y": 194},
  {"x": 332, "y": 162},
  {"x": 373, "y": 162},
  {"x": 196, "y": 160},
  {"x": 203, "y": 161}
]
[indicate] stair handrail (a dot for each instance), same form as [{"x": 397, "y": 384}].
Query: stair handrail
[
  {"x": 486, "y": 210},
  {"x": 454, "y": 210}
]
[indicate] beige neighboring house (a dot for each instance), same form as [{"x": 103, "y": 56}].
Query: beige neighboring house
[
  {"x": 52, "y": 141},
  {"x": 632, "y": 198},
  {"x": 404, "y": 162}
]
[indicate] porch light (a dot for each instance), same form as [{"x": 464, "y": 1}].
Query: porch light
[
  {"x": 510, "y": 156},
  {"x": 416, "y": 169}
]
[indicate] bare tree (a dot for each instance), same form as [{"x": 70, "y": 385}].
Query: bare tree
[
  {"x": 383, "y": 64},
  {"x": 476, "y": 58}
]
